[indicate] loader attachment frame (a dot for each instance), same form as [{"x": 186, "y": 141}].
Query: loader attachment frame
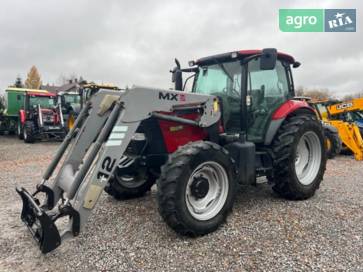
[
  {"x": 40, "y": 225},
  {"x": 92, "y": 150}
]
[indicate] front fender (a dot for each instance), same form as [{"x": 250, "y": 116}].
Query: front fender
[{"x": 22, "y": 116}]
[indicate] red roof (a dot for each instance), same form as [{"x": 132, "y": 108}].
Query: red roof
[
  {"x": 281, "y": 55},
  {"x": 42, "y": 94},
  {"x": 242, "y": 54}
]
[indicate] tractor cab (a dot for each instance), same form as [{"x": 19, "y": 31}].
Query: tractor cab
[
  {"x": 248, "y": 83},
  {"x": 73, "y": 102},
  {"x": 46, "y": 101},
  {"x": 70, "y": 101}
]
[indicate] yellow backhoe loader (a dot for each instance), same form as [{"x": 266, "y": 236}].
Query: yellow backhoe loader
[{"x": 331, "y": 113}]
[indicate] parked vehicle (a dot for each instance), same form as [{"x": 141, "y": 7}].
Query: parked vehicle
[
  {"x": 32, "y": 114},
  {"x": 71, "y": 106},
  {"x": 349, "y": 111},
  {"x": 240, "y": 121},
  {"x": 73, "y": 102},
  {"x": 349, "y": 133}
]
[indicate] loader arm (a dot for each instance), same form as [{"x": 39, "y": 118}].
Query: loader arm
[
  {"x": 92, "y": 150},
  {"x": 351, "y": 137},
  {"x": 352, "y": 105}
]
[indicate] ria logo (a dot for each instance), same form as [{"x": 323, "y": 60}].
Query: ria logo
[
  {"x": 171, "y": 96},
  {"x": 340, "y": 20},
  {"x": 317, "y": 20}
]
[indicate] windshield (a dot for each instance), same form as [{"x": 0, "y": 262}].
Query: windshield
[
  {"x": 72, "y": 99},
  {"x": 43, "y": 101},
  {"x": 219, "y": 79},
  {"x": 358, "y": 115}
]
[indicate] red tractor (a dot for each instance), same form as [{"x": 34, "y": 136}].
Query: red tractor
[
  {"x": 40, "y": 117},
  {"x": 239, "y": 122}
]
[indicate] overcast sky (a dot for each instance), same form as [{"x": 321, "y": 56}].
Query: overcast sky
[{"x": 135, "y": 42}]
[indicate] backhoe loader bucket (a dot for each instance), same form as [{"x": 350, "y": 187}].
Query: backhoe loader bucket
[{"x": 39, "y": 223}]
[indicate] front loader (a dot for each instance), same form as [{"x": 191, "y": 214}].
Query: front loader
[{"x": 239, "y": 122}]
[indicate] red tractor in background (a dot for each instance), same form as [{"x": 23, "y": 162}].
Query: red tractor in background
[{"x": 41, "y": 117}]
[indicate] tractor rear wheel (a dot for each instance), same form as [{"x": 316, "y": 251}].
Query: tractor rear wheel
[
  {"x": 300, "y": 157},
  {"x": 197, "y": 188},
  {"x": 333, "y": 143},
  {"x": 130, "y": 183},
  {"x": 28, "y": 132}
]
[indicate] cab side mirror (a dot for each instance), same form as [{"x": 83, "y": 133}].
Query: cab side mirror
[
  {"x": 268, "y": 59},
  {"x": 177, "y": 77}
]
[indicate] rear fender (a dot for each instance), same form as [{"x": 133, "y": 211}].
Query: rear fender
[{"x": 288, "y": 108}]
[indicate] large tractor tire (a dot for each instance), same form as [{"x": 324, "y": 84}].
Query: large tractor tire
[
  {"x": 300, "y": 157},
  {"x": 130, "y": 183},
  {"x": 19, "y": 130},
  {"x": 333, "y": 143},
  {"x": 197, "y": 188},
  {"x": 29, "y": 132}
]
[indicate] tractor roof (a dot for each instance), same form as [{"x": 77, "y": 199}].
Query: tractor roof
[
  {"x": 47, "y": 94},
  {"x": 13, "y": 89},
  {"x": 100, "y": 86},
  {"x": 240, "y": 55}
]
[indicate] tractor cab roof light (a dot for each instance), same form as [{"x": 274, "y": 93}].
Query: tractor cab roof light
[{"x": 234, "y": 55}]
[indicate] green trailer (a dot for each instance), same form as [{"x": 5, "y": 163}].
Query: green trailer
[{"x": 14, "y": 102}]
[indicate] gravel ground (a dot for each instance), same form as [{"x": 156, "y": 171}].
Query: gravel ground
[{"x": 263, "y": 233}]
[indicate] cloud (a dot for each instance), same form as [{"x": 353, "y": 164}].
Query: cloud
[{"x": 134, "y": 42}]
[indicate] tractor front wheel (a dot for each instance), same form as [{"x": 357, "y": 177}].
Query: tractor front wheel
[
  {"x": 28, "y": 132},
  {"x": 300, "y": 157},
  {"x": 197, "y": 188}
]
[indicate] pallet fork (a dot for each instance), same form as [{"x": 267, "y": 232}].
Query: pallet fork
[{"x": 93, "y": 148}]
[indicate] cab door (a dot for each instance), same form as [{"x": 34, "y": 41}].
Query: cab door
[{"x": 266, "y": 91}]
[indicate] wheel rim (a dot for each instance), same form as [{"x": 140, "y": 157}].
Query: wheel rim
[
  {"x": 308, "y": 158},
  {"x": 207, "y": 190}
]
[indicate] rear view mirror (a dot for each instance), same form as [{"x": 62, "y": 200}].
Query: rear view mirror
[
  {"x": 268, "y": 59},
  {"x": 177, "y": 77}
]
